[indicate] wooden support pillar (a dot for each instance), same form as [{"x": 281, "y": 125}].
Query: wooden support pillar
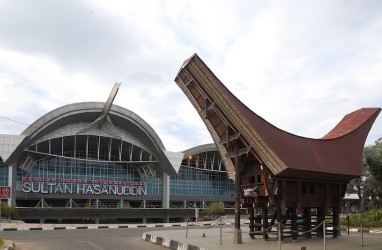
[
  {"x": 274, "y": 217},
  {"x": 251, "y": 222},
  {"x": 283, "y": 207},
  {"x": 336, "y": 210},
  {"x": 236, "y": 149},
  {"x": 258, "y": 224},
  {"x": 265, "y": 223},
  {"x": 294, "y": 223},
  {"x": 320, "y": 218},
  {"x": 280, "y": 221},
  {"x": 238, "y": 170},
  {"x": 327, "y": 199},
  {"x": 308, "y": 221},
  {"x": 336, "y": 220},
  {"x": 299, "y": 195}
]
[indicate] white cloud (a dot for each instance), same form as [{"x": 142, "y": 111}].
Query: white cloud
[{"x": 302, "y": 65}]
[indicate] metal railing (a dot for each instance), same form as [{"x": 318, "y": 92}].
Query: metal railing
[{"x": 220, "y": 222}]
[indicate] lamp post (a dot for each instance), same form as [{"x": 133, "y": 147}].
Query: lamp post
[{"x": 362, "y": 200}]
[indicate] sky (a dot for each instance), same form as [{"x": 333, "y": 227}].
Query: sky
[{"x": 301, "y": 65}]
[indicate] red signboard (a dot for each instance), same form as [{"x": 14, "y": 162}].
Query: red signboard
[{"x": 5, "y": 192}]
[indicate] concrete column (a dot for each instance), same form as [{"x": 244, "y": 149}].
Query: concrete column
[
  {"x": 12, "y": 184},
  {"x": 166, "y": 190},
  {"x": 166, "y": 218},
  {"x": 42, "y": 220},
  {"x": 97, "y": 220},
  {"x": 196, "y": 213}
]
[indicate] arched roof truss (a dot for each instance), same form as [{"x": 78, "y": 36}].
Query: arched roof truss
[{"x": 69, "y": 129}]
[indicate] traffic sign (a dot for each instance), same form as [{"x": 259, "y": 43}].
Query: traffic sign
[{"x": 5, "y": 192}]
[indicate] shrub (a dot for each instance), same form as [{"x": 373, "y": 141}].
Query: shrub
[
  {"x": 215, "y": 208},
  {"x": 372, "y": 218},
  {"x": 7, "y": 211},
  {"x": 206, "y": 218}
]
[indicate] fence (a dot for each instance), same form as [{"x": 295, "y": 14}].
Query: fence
[{"x": 222, "y": 222}]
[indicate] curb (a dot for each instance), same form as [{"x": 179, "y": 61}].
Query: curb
[
  {"x": 372, "y": 231},
  {"x": 88, "y": 227},
  {"x": 358, "y": 230},
  {"x": 94, "y": 226},
  {"x": 172, "y": 244}
]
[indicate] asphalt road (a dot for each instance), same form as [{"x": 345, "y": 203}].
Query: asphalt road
[{"x": 82, "y": 239}]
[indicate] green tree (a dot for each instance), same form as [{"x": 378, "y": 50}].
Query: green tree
[
  {"x": 371, "y": 179},
  {"x": 373, "y": 182},
  {"x": 214, "y": 209}
]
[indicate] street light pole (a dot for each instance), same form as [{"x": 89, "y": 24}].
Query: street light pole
[{"x": 362, "y": 200}]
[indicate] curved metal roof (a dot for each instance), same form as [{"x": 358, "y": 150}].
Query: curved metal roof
[
  {"x": 200, "y": 149},
  {"x": 87, "y": 112}
]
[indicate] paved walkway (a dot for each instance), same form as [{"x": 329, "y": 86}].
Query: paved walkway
[
  {"x": 212, "y": 240},
  {"x": 207, "y": 236}
]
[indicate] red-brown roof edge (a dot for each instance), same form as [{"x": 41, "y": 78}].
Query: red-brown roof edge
[{"x": 350, "y": 122}]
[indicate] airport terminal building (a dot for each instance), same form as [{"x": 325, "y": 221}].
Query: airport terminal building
[{"x": 99, "y": 161}]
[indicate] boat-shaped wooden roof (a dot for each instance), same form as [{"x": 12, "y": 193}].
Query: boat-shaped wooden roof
[{"x": 336, "y": 156}]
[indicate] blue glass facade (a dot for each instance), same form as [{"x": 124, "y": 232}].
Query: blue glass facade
[
  {"x": 57, "y": 169},
  {"x": 190, "y": 181},
  {"x": 4, "y": 174}
]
